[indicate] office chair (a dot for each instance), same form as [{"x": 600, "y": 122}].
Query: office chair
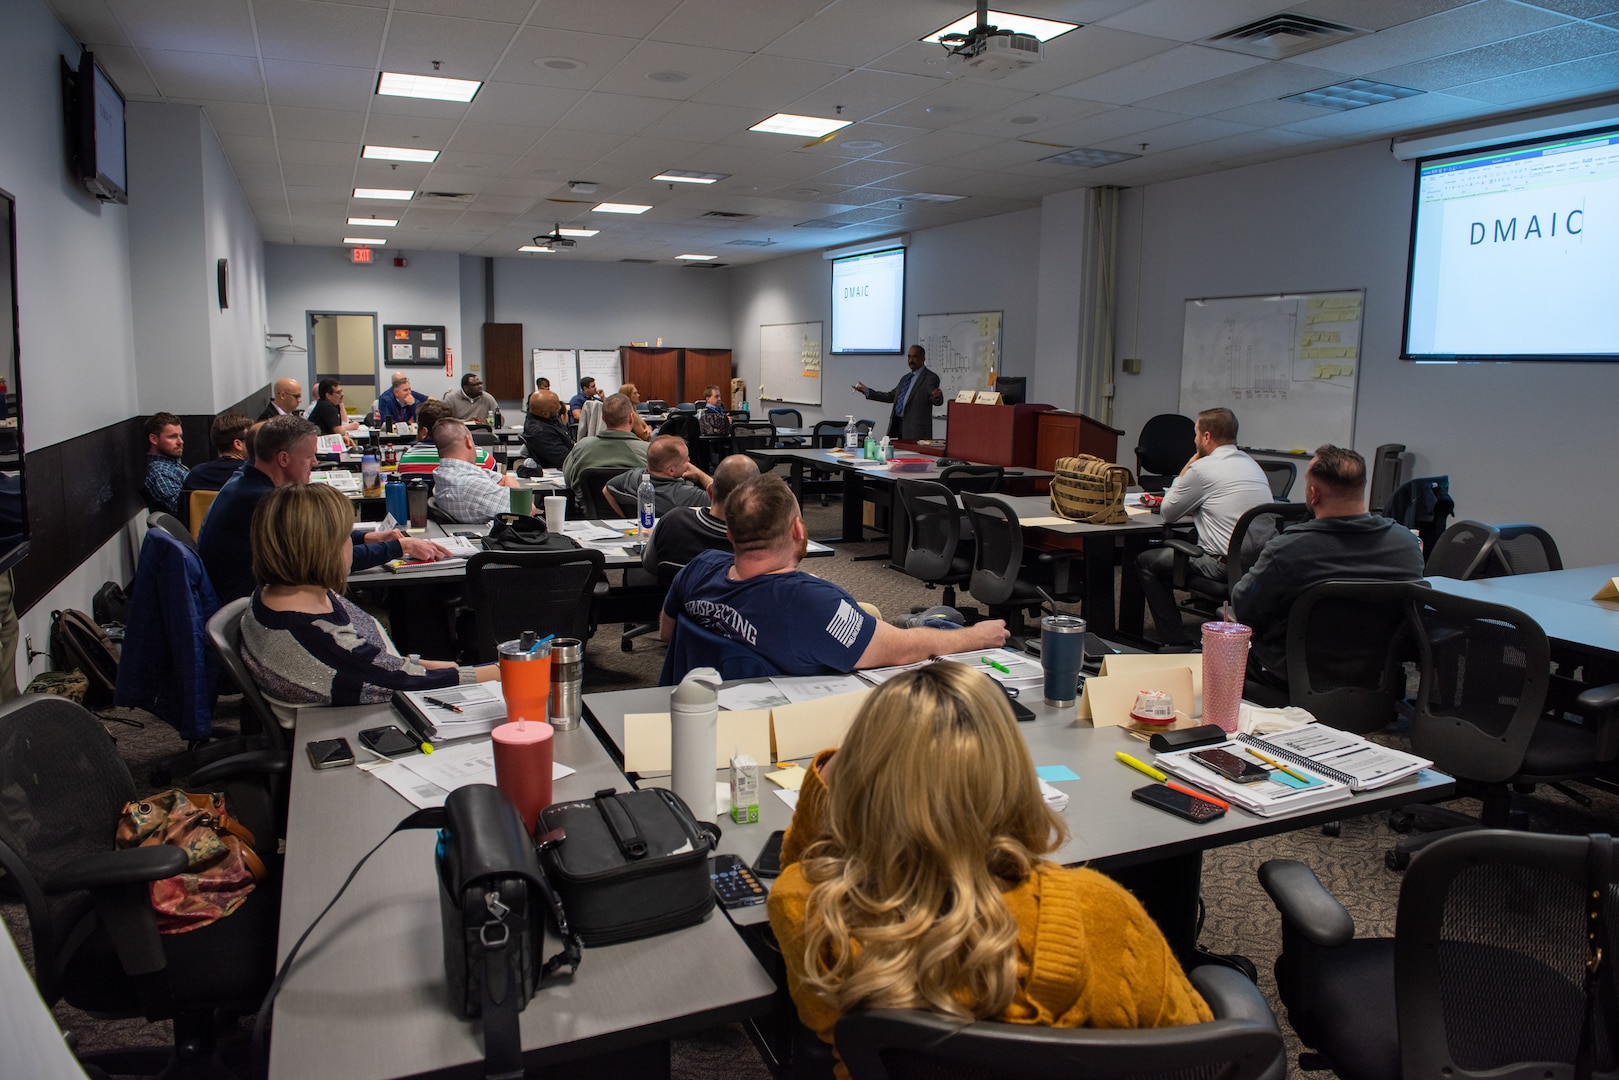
[
  {"x": 638, "y": 602},
  {"x": 656, "y": 405},
  {"x": 437, "y": 513},
  {"x": 1391, "y": 467},
  {"x": 197, "y": 510},
  {"x": 1526, "y": 549},
  {"x": 685, "y": 425},
  {"x": 753, "y": 435},
  {"x": 1014, "y": 389},
  {"x": 1241, "y": 1043},
  {"x": 483, "y": 435},
  {"x": 1167, "y": 443},
  {"x": 934, "y": 552},
  {"x": 692, "y": 646},
  {"x": 548, "y": 592},
  {"x": 820, "y": 479},
  {"x": 89, "y": 910},
  {"x": 1464, "y": 551},
  {"x": 1249, "y": 536},
  {"x": 786, "y": 418},
  {"x": 1485, "y": 974},
  {"x": 1347, "y": 645},
  {"x": 978, "y": 479},
  {"x": 1481, "y": 715},
  {"x": 159, "y": 519},
  {"x": 1005, "y": 579},
  {"x": 1280, "y": 475},
  {"x": 596, "y": 505},
  {"x": 1423, "y": 504}
]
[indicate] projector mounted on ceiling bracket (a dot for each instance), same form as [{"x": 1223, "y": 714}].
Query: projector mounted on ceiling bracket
[
  {"x": 991, "y": 52},
  {"x": 554, "y": 240}
]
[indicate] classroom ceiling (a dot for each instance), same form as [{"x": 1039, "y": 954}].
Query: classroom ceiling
[{"x": 614, "y": 91}]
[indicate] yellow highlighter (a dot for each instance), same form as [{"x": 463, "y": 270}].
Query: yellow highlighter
[{"x": 1141, "y": 767}]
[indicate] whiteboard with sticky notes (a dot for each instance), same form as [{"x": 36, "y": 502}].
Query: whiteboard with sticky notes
[{"x": 1285, "y": 363}]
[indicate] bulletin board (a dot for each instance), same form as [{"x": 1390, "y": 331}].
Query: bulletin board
[
  {"x": 560, "y": 366},
  {"x": 790, "y": 362},
  {"x": 413, "y": 346},
  {"x": 963, "y": 348},
  {"x": 1285, "y": 363}
]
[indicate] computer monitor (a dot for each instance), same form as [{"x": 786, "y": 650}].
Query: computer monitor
[{"x": 1014, "y": 389}]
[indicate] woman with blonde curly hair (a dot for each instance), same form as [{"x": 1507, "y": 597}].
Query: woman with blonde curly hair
[{"x": 914, "y": 879}]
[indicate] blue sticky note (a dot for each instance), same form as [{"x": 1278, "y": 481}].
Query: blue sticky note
[
  {"x": 1285, "y": 780},
  {"x": 1054, "y": 773}
]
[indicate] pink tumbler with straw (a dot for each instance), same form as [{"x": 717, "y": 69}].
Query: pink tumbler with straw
[{"x": 1225, "y": 662}]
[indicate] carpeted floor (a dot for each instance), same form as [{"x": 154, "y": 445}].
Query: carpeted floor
[{"x": 1239, "y": 918}]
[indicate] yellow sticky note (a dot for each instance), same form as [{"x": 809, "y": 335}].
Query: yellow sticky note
[
  {"x": 791, "y": 778},
  {"x": 1609, "y": 591}
]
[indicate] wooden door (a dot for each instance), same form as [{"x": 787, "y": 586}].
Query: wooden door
[
  {"x": 705, "y": 367},
  {"x": 655, "y": 372},
  {"x": 503, "y": 361}
]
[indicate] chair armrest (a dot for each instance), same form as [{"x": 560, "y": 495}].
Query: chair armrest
[
  {"x": 249, "y": 763},
  {"x": 1231, "y": 996},
  {"x": 1601, "y": 704},
  {"x": 130, "y": 866},
  {"x": 1182, "y": 547},
  {"x": 1305, "y": 904},
  {"x": 1598, "y": 699}
]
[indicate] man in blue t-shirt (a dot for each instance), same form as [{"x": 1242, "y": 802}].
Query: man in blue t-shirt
[{"x": 799, "y": 624}]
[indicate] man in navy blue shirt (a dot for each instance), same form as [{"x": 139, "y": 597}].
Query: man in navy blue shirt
[
  {"x": 587, "y": 392},
  {"x": 796, "y": 622},
  {"x": 398, "y": 405},
  {"x": 283, "y": 453}
]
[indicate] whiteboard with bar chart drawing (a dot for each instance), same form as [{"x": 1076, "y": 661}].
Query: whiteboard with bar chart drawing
[
  {"x": 1285, "y": 363},
  {"x": 962, "y": 347}
]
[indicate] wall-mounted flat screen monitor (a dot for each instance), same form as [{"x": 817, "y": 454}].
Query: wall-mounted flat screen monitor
[
  {"x": 868, "y": 302},
  {"x": 99, "y": 149},
  {"x": 1515, "y": 252}
]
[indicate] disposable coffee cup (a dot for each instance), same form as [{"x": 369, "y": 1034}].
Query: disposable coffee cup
[
  {"x": 556, "y": 512},
  {"x": 1062, "y": 654}
]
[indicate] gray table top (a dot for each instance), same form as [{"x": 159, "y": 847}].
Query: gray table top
[
  {"x": 367, "y": 997},
  {"x": 1559, "y": 600},
  {"x": 1107, "y": 828},
  {"x": 1039, "y": 506},
  {"x": 877, "y": 470}
]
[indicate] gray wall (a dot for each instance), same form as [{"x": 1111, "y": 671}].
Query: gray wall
[{"x": 1520, "y": 442}]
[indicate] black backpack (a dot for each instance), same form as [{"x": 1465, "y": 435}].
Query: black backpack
[{"x": 78, "y": 644}]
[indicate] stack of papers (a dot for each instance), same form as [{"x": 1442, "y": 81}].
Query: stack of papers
[
  {"x": 1266, "y": 797},
  {"x": 1015, "y": 669},
  {"x": 429, "y": 713},
  {"x": 341, "y": 479},
  {"x": 1342, "y": 756},
  {"x": 427, "y": 779}
]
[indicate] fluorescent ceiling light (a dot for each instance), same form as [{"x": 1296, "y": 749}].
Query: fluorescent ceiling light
[
  {"x": 697, "y": 258},
  {"x": 931, "y": 196},
  {"x": 1352, "y": 94},
  {"x": 1087, "y": 158},
  {"x": 577, "y": 232},
  {"x": 1044, "y": 29},
  {"x": 790, "y": 124},
  {"x": 374, "y": 222},
  {"x": 365, "y": 240},
  {"x": 535, "y": 249},
  {"x": 431, "y": 87},
  {"x": 620, "y": 208},
  {"x": 398, "y": 153},
  {"x": 401, "y": 194},
  {"x": 685, "y": 176}
]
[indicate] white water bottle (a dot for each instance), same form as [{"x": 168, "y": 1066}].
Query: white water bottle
[
  {"x": 693, "y": 734},
  {"x": 646, "y": 496},
  {"x": 851, "y": 437}
]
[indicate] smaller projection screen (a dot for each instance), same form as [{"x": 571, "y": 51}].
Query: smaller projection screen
[{"x": 868, "y": 302}]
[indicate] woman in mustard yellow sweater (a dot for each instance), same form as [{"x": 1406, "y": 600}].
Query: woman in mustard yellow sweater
[{"x": 914, "y": 880}]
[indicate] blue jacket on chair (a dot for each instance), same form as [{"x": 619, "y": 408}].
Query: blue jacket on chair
[{"x": 167, "y": 666}]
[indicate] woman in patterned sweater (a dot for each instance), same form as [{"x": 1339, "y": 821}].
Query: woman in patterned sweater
[{"x": 304, "y": 643}]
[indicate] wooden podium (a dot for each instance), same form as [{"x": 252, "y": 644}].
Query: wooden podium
[
  {"x": 1066, "y": 434},
  {"x": 993, "y": 434}
]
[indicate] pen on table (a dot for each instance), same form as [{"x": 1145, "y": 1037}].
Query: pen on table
[
  {"x": 442, "y": 704},
  {"x": 1002, "y": 668},
  {"x": 1268, "y": 760},
  {"x": 1163, "y": 778}
]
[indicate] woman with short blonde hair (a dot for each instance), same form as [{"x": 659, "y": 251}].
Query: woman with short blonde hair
[{"x": 915, "y": 878}]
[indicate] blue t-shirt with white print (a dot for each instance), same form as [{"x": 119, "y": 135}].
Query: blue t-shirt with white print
[{"x": 799, "y": 623}]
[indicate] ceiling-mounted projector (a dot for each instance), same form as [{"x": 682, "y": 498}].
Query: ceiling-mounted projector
[
  {"x": 554, "y": 240},
  {"x": 990, "y": 52}
]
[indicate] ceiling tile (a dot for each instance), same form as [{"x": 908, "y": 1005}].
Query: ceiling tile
[
  {"x": 1003, "y": 155},
  {"x": 1269, "y": 113},
  {"x": 1260, "y": 85},
  {"x": 319, "y": 86},
  {"x": 1572, "y": 41},
  {"x": 128, "y": 73},
  {"x": 424, "y": 133},
  {"x": 1030, "y": 117},
  {"x": 516, "y": 103},
  {"x": 209, "y": 76},
  {"x": 953, "y": 103},
  {"x": 747, "y": 25},
  {"x": 728, "y": 159},
  {"x": 476, "y": 138},
  {"x": 695, "y": 122},
  {"x": 239, "y": 118},
  {"x": 1080, "y": 54},
  {"x": 855, "y": 32},
  {"x": 91, "y": 21},
  {"x": 1109, "y": 125},
  {"x": 631, "y": 18},
  {"x": 1437, "y": 35},
  {"x": 487, "y": 167},
  {"x": 205, "y": 26},
  {"x": 577, "y": 145},
  {"x": 767, "y": 84},
  {"x": 1587, "y": 76},
  {"x": 597, "y": 54},
  {"x": 1185, "y": 66},
  {"x": 615, "y": 114},
  {"x": 938, "y": 179},
  {"x": 701, "y": 67},
  {"x": 254, "y": 149},
  {"x": 332, "y": 124},
  {"x": 436, "y": 45},
  {"x": 386, "y": 174},
  {"x": 1174, "y": 136},
  {"x": 646, "y": 154},
  {"x": 864, "y": 94},
  {"x": 870, "y": 171},
  {"x": 938, "y": 146},
  {"x": 319, "y": 33},
  {"x": 1388, "y": 117},
  {"x": 1374, "y": 14},
  {"x": 1582, "y": 9},
  {"x": 1190, "y": 20},
  {"x": 313, "y": 152},
  {"x": 334, "y": 177},
  {"x": 503, "y": 11}
]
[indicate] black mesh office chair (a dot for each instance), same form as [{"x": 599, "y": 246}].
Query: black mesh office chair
[
  {"x": 1249, "y": 536},
  {"x": 1167, "y": 443},
  {"x": 1522, "y": 548},
  {"x": 89, "y": 910},
  {"x": 548, "y": 592},
  {"x": 1280, "y": 475},
  {"x": 437, "y": 513},
  {"x": 749, "y": 435},
  {"x": 1423, "y": 504},
  {"x": 934, "y": 551},
  {"x": 1241, "y": 1043},
  {"x": 819, "y": 479},
  {"x": 1346, "y": 650},
  {"x": 1485, "y": 974},
  {"x": 159, "y": 519},
  {"x": 978, "y": 479},
  {"x": 1464, "y": 551},
  {"x": 787, "y": 418},
  {"x": 1391, "y": 466},
  {"x": 1007, "y": 578},
  {"x": 596, "y": 505}
]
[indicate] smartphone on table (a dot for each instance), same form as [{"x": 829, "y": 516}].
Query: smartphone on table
[
  {"x": 389, "y": 741},
  {"x": 1198, "y": 811},
  {"x": 1231, "y": 766},
  {"x": 768, "y": 864},
  {"x": 329, "y": 753},
  {"x": 734, "y": 884}
]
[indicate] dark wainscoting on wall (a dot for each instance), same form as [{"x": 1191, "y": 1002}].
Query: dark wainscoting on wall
[{"x": 83, "y": 491}]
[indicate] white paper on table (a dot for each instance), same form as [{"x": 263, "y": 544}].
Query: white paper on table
[
  {"x": 551, "y": 474},
  {"x": 751, "y": 695},
  {"x": 621, "y": 524},
  {"x": 1055, "y": 798},
  {"x": 459, "y": 547},
  {"x": 455, "y": 766},
  {"x": 878, "y": 675},
  {"x": 418, "y": 792},
  {"x": 788, "y": 797},
  {"x": 480, "y": 703},
  {"x": 798, "y": 688},
  {"x": 586, "y": 531},
  {"x": 1021, "y": 670}
]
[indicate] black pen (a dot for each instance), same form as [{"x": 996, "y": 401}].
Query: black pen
[{"x": 442, "y": 704}]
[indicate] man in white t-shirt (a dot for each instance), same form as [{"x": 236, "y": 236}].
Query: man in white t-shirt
[{"x": 1218, "y": 485}]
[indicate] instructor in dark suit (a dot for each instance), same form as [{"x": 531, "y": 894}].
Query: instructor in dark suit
[{"x": 913, "y": 398}]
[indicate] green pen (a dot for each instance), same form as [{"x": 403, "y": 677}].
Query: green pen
[{"x": 1002, "y": 668}]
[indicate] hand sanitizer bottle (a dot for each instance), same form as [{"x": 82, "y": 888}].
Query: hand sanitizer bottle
[{"x": 851, "y": 437}]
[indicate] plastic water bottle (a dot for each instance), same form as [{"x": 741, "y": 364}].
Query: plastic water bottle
[
  {"x": 370, "y": 471},
  {"x": 851, "y": 437},
  {"x": 646, "y": 496}
]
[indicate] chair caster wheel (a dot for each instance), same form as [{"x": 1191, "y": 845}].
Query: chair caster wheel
[
  {"x": 1402, "y": 822},
  {"x": 1332, "y": 828},
  {"x": 1396, "y": 860}
]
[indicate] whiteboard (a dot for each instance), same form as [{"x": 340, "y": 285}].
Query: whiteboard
[
  {"x": 963, "y": 348},
  {"x": 1286, "y": 364},
  {"x": 559, "y": 366},
  {"x": 790, "y": 362},
  {"x": 601, "y": 365}
]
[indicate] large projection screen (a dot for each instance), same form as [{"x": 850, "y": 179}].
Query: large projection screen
[
  {"x": 1515, "y": 251},
  {"x": 868, "y": 302}
]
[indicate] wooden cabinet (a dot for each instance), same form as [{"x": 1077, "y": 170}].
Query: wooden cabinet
[
  {"x": 655, "y": 372},
  {"x": 503, "y": 361},
  {"x": 1066, "y": 434},
  {"x": 703, "y": 368}
]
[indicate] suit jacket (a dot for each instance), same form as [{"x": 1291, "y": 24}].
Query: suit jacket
[{"x": 917, "y": 423}]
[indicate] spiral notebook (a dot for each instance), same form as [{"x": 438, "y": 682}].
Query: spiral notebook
[{"x": 1351, "y": 760}]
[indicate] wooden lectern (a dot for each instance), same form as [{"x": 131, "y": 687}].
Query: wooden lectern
[
  {"x": 993, "y": 434},
  {"x": 1066, "y": 434}
]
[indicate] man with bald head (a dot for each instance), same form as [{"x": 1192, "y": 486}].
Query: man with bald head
[
  {"x": 675, "y": 480},
  {"x": 286, "y": 396},
  {"x": 460, "y": 487},
  {"x": 687, "y": 531},
  {"x": 545, "y": 433},
  {"x": 616, "y": 447}
]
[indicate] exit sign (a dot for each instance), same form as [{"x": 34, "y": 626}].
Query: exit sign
[{"x": 362, "y": 255}]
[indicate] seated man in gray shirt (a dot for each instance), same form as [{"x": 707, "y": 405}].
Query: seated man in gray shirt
[
  {"x": 1216, "y": 487},
  {"x": 687, "y": 531},
  {"x": 1343, "y": 543},
  {"x": 675, "y": 480}
]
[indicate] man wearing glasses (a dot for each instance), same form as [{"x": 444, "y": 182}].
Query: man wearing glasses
[
  {"x": 327, "y": 412},
  {"x": 472, "y": 401}
]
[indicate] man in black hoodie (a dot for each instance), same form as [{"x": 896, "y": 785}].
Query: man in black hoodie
[{"x": 1342, "y": 543}]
